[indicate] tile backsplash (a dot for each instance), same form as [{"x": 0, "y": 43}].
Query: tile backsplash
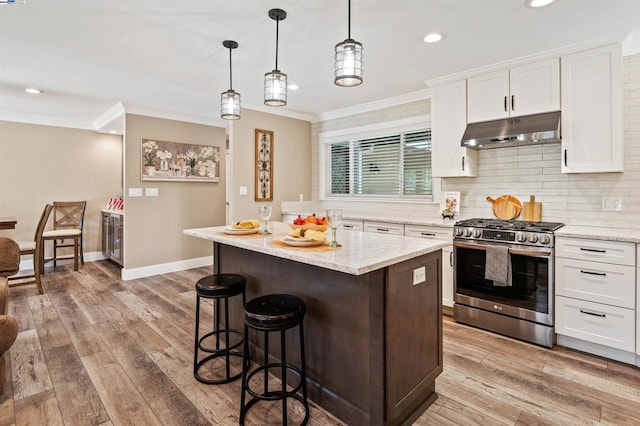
[{"x": 574, "y": 199}]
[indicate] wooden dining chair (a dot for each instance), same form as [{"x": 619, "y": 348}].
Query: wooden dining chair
[
  {"x": 68, "y": 217},
  {"x": 36, "y": 249}
]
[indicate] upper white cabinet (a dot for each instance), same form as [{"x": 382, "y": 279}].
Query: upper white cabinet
[
  {"x": 592, "y": 111},
  {"x": 522, "y": 90},
  {"x": 448, "y": 121}
]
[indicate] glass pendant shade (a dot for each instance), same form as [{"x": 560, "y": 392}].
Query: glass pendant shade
[
  {"x": 275, "y": 88},
  {"x": 349, "y": 63},
  {"x": 230, "y": 105},
  {"x": 230, "y": 100}
]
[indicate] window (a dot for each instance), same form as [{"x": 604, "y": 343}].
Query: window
[{"x": 396, "y": 165}]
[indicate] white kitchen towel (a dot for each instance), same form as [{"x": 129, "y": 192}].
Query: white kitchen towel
[{"x": 497, "y": 266}]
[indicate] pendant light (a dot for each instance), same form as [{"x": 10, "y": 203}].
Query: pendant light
[
  {"x": 348, "y": 60},
  {"x": 275, "y": 82},
  {"x": 230, "y": 100}
]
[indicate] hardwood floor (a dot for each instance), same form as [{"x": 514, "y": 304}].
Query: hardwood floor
[{"x": 95, "y": 350}]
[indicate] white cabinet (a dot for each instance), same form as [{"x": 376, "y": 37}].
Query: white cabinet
[
  {"x": 596, "y": 292},
  {"x": 449, "y": 119},
  {"x": 352, "y": 225},
  {"x": 438, "y": 233},
  {"x": 591, "y": 83},
  {"x": 384, "y": 228},
  {"x": 522, "y": 90}
]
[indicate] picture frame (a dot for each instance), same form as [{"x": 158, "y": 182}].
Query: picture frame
[
  {"x": 264, "y": 165},
  {"x": 176, "y": 161}
]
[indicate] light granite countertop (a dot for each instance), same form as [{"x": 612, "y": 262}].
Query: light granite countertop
[
  {"x": 382, "y": 218},
  {"x": 597, "y": 233},
  {"x": 361, "y": 252},
  {"x": 120, "y": 212}
]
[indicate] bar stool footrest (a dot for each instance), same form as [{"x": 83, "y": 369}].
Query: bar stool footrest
[
  {"x": 217, "y": 381},
  {"x": 297, "y": 397},
  {"x": 221, "y": 333},
  {"x": 273, "y": 395}
]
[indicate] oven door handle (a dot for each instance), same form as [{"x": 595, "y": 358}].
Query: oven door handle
[{"x": 517, "y": 251}]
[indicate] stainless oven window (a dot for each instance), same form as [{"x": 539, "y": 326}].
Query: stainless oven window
[{"x": 529, "y": 274}]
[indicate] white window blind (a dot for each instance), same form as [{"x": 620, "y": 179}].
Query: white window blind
[{"x": 396, "y": 165}]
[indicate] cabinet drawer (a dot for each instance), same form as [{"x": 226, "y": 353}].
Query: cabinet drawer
[
  {"x": 352, "y": 225},
  {"x": 384, "y": 228},
  {"x": 594, "y": 322},
  {"x": 431, "y": 232},
  {"x": 596, "y": 250},
  {"x": 597, "y": 282}
]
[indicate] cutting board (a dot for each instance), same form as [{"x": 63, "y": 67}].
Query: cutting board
[
  {"x": 532, "y": 210},
  {"x": 506, "y": 207}
]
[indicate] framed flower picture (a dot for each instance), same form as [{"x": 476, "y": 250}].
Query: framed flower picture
[
  {"x": 264, "y": 165},
  {"x": 175, "y": 161}
]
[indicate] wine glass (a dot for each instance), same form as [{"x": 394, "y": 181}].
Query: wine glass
[
  {"x": 334, "y": 217},
  {"x": 265, "y": 214}
]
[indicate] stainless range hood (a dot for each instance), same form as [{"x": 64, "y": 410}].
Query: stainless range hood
[{"x": 517, "y": 131}]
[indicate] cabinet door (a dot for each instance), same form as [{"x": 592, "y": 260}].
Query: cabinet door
[
  {"x": 352, "y": 225},
  {"x": 534, "y": 88},
  {"x": 449, "y": 119},
  {"x": 384, "y": 228},
  {"x": 447, "y": 276},
  {"x": 488, "y": 96},
  {"x": 591, "y": 85}
]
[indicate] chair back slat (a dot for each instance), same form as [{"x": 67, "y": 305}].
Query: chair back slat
[
  {"x": 68, "y": 214},
  {"x": 44, "y": 217}
]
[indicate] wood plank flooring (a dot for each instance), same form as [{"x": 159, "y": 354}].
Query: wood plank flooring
[{"x": 95, "y": 350}]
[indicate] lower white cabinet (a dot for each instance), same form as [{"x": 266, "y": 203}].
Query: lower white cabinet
[
  {"x": 596, "y": 322},
  {"x": 352, "y": 225},
  {"x": 384, "y": 228},
  {"x": 444, "y": 234},
  {"x": 596, "y": 295}
]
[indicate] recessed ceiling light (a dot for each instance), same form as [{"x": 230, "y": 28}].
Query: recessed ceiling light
[
  {"x": 537, "y": 3},
  {"x": 293, "y": 87},
  {"x": 433, "y": 37},
  {"x": 32, "y": 91}
]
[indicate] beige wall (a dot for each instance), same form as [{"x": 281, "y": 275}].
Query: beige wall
[
  {"x": 41, "y": 164},
  {"x": 291, "y": 158},
  {"x": 153, "y": 225}
]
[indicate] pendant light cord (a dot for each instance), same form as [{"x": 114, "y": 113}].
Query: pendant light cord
[
  {"x": 230, "y": 72},
  {"x": 277, "y": 33},
  {"x": 349, "y": 27}
]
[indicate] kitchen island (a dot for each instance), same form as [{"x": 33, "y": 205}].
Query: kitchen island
[{"x": 373, "y": 329}]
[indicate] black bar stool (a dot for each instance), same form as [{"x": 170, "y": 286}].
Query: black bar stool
[
  {"x": 218, "y": 287},
  {"x": 271, "y": 313}
]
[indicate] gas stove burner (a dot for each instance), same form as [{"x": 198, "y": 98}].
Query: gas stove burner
[{"x": 503, "y": 231}]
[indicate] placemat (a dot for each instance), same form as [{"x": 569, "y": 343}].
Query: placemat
[{"x": 323, "y": 248}]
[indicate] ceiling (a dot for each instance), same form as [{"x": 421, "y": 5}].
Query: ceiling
[{"x": 166, "y": 57}]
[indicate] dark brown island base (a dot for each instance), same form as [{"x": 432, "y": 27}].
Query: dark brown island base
[{"x": 373, "y": 329}]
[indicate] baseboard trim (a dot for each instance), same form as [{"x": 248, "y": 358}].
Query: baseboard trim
[{"x": 164, "y": 268}]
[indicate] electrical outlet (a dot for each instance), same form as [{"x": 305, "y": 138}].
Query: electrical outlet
[
  {"x": 135, "y": 192},
  {"x": 419, "y": 275},
  {"x": 612, "y": 204}
]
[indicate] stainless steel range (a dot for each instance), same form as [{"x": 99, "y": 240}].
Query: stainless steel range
[{"x": 522, "y": 305}]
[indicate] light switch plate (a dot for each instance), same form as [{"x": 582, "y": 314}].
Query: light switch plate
[
  {"x": 135, "y": 192},
  {"x": 243, "y": 190},
  {"x": 419, "y": 275},
  {"x": 151, "y": 192}
]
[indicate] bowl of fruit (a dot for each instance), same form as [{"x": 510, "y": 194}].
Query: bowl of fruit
[{"x": 317, "y": 223}]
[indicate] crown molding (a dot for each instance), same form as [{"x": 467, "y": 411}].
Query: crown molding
[
  {"x": 45, "y": 120},
  {"x": 375, "y": 105},
  {"x": 174, "y": 115},
  {"x": 112, "y": 114},
  {"x": 279, "y": 111},
  {"x": 547, "y": 54}
]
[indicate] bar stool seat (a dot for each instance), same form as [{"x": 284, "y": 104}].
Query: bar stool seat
[
  {"x": 274, "y": 313},
  {"x": 219, "y": 287}
]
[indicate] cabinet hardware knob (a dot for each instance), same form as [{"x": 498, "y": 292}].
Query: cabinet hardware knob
[
  {"x": 505, "y": 104},
  {"x": 582, "y": 311}
]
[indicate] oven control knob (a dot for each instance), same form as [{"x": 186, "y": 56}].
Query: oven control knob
[
  {"x": 477, "y": 233},
  {"x": 544, "y": 239},
  {"x": 533, "y": 238},
  {"x": 459, "y": 232},
  {"x": 467, "y": 232},
  {"x": 520, "y": 237}
]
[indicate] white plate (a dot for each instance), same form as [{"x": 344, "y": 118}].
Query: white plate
[
  {"x": 301, "y": 242},
  {"x": 233, "y": 231}
]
